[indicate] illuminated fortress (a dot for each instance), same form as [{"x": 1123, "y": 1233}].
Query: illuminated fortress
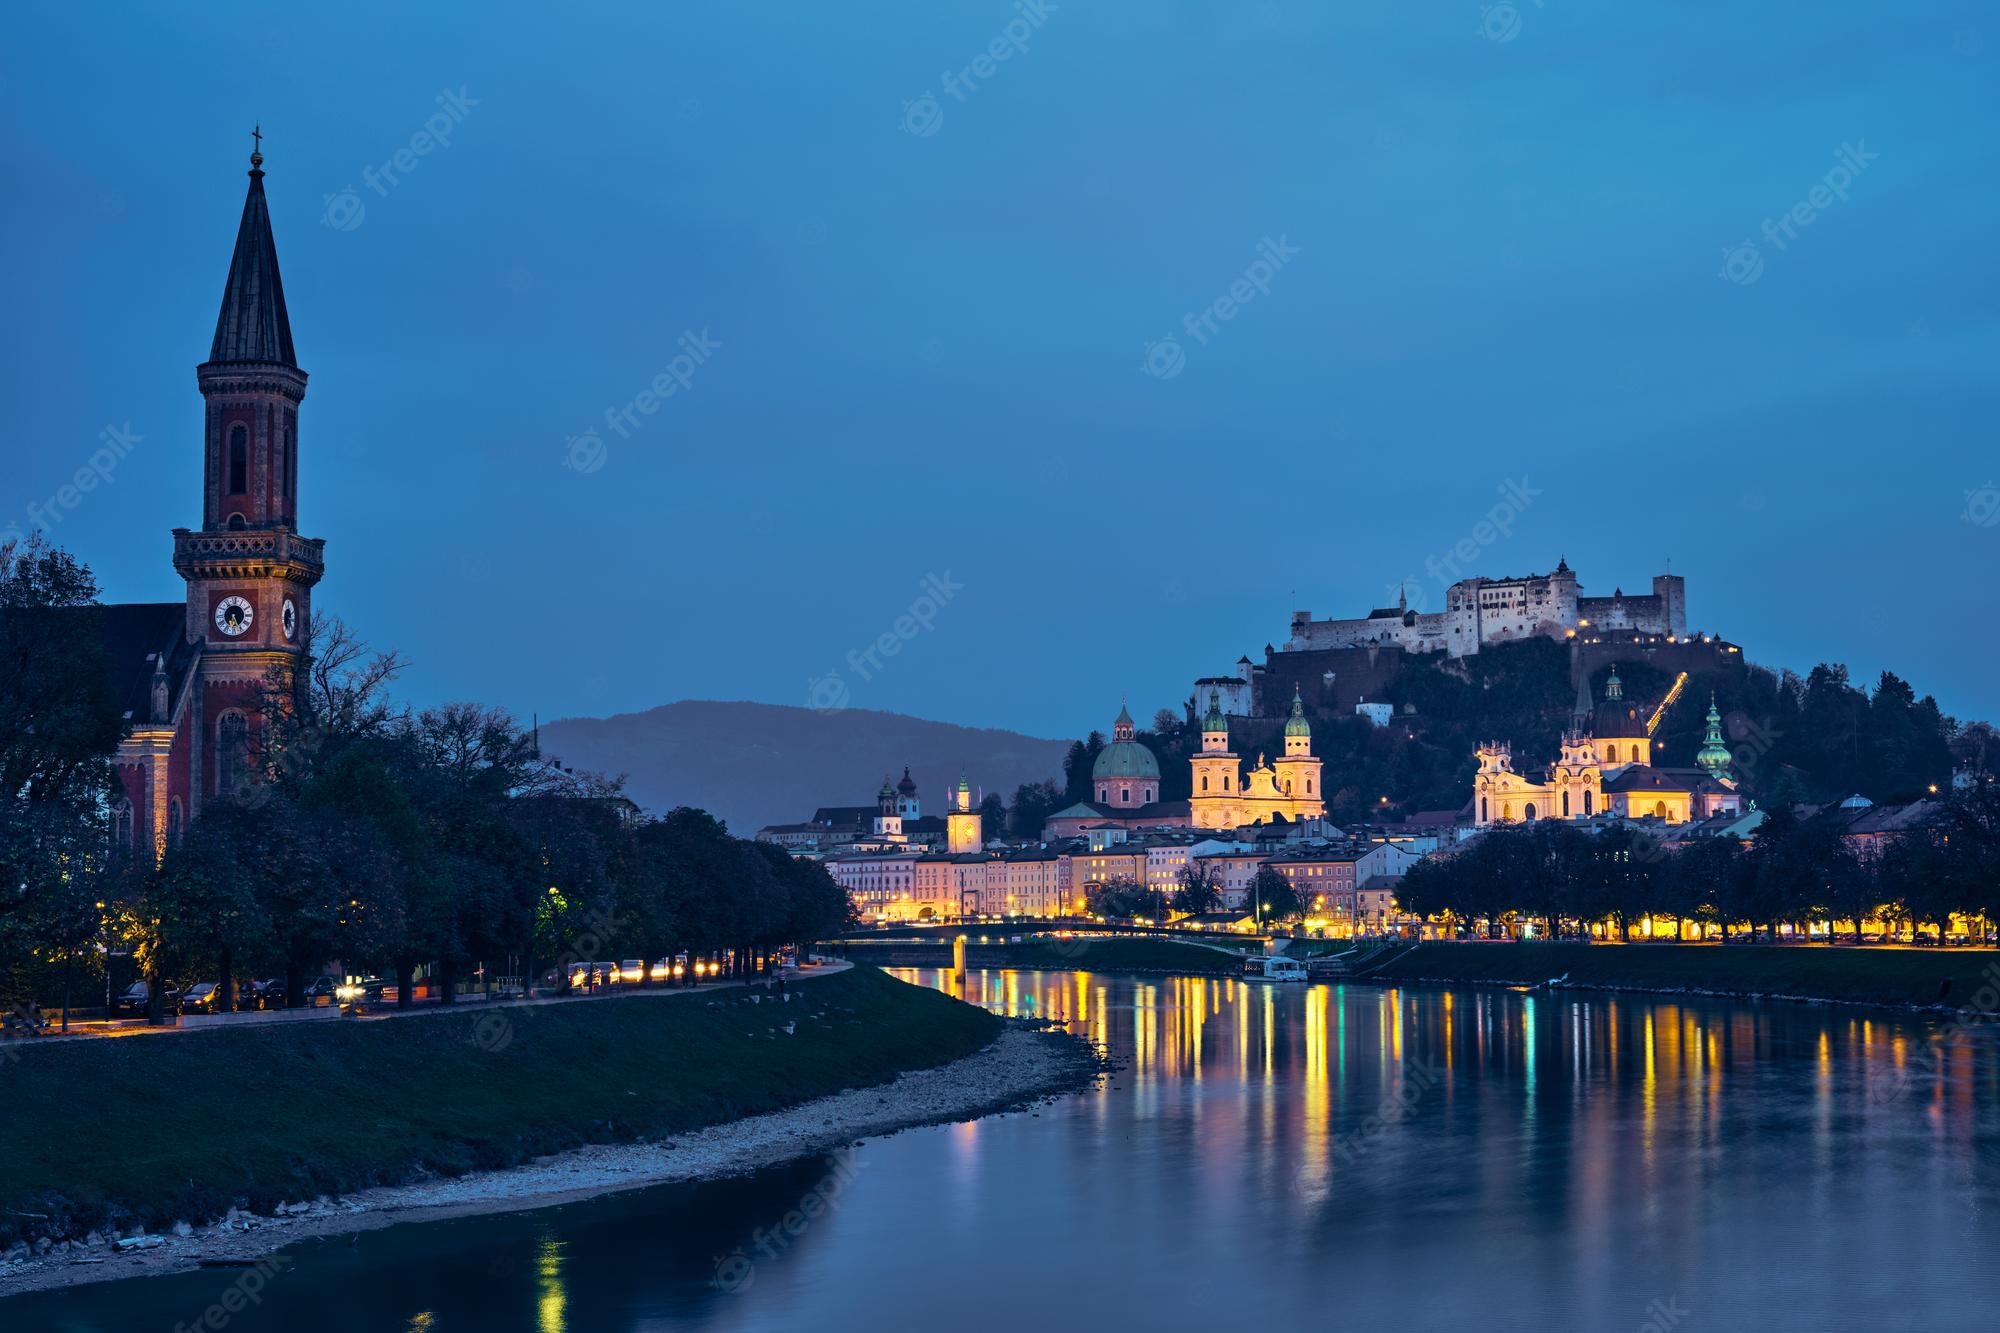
[{"x": 1481, "y": 611}]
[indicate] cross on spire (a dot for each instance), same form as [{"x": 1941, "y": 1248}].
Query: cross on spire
[{"x": 257, "y": 150}]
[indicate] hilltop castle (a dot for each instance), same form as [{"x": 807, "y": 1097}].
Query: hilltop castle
[{"x": 1481, "y": 611}]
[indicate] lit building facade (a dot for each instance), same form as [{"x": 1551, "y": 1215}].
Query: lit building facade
[{"x": 1223, "y": 797}]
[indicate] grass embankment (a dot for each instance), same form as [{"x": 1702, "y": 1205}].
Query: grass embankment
[
  {"x": 185, "y": 1125},
  {"x": 1081, "y": 953},
  {"x": 1866, "y": 975}
]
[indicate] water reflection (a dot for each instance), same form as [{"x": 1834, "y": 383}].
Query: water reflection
[{"x": 1422, "y": 1159}]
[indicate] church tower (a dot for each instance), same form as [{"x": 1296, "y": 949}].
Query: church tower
[
  {"x": 888, "y": 823},
  {"x": 249, "y": 574},
  {"x": 962, "y": 823},
  {"x": 1714, "y": 756},
  {"x": 1298, "y": 771},
  {"x": 1215, "y": 772}
]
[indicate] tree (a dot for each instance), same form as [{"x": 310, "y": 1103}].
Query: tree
[
  {"x": 1198, "y": 893},
  {"x": 1119, "y": 899},
  {"x": 993, "y": 815},
  {"x": 1034, "y": 802},
  {"x": 1273, "y": 898}
]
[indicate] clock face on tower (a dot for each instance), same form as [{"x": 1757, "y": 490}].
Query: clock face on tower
[
  {"x": 233, "y": 616},
  {"x": 290, "y": 620}
]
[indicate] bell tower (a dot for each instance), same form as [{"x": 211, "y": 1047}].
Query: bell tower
[
  {"x": 249, "y": 574},
  {"x": 963, "y": 832}
]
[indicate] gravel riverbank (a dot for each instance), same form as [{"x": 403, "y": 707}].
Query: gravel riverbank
[{"x": 1024, "y": 1065}]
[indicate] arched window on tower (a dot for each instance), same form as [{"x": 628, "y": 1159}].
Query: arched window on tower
[
  {"x": 239, "y": 460},
  {"x": 1204, "y": 782},
  {"x": 232, "y": 753},
  {"x": 1610, "y": 754},
  {"x": 1589, "y": 804},
  {"x": 1565, "y": 803},
  {"x": 174, "y": 822},
  {"x": 121, "y": 827}
]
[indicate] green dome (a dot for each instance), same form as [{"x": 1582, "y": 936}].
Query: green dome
[
  {"x": 1125, "y": 759},
  {"x": 1298, "y": 726}
]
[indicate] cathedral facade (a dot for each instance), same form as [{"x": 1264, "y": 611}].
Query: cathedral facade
[
  {"x": 195, "y": 674},
  {"x": 1225, "y": 797},
  {"x": 1604, "y": 766}
]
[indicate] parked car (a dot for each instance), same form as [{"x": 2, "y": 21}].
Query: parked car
[
  {"x": 267, "y": 993},
  {"x": 202, "y": 998},
  {"x": 133, "y": 1003},
  {"x": 631, "y": 972},
  {"x": 321, "y": 990}
]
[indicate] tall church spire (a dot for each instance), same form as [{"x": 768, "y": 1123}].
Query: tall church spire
[{"x": 253, "y": 325}]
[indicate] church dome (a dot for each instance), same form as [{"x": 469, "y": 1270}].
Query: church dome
[
  {"x": 1125, "y": 759},
  {"x": 1297, "y": 724},
  {"x": 908, "y": 786}
]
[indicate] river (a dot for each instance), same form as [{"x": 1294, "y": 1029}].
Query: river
[{"x": 1304, "y": 1156}]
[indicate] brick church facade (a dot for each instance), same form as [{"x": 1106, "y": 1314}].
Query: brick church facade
[{"x": 193, "y": 674}]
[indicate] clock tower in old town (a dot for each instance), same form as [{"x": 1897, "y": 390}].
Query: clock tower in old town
[{"x": 249, "y": 573}]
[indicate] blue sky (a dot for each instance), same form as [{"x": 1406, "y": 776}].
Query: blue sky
[{"x": 930, "y": 313}]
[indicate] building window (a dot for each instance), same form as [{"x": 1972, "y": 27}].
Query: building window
[
  {"x": 1565, "y": 805},
  {"x": 239, "y": 460},
  {"x": 174, "y": 822},
  {"x": 121, "y": 826},
  {"x": 1610, "y": 754},
  {"x": 1589, "y": 803},
  {"x": 232, "y": 752},
  {"x": 1529, "y": 813},
  {"x": 1204, "y": 782}
]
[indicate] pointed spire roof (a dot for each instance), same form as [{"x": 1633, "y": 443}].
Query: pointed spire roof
[
  {"x": 1585, "y": 706},
  {"x": 253, "y": 325}
]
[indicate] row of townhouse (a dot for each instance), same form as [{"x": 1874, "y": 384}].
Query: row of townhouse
[{"x": 1348, "y": 885}]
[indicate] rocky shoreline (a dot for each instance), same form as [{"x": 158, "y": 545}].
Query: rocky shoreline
[{"x": 1028, "y": 1063}]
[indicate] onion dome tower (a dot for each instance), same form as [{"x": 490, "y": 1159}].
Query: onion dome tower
[{"x": 1713, "y": 757}]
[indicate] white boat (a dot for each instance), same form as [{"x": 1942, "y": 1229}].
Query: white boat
[{"x": 1284, "y": 969}]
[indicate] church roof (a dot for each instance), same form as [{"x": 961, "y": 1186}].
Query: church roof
[
  {"x": 1618, "y": 720},
  {"x": 1125, "y": 759},
  {"x": 253, "y": 325},
  {"x": 132, "y": 634}
]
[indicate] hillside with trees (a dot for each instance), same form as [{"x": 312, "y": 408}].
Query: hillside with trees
[{"x": 1813, "y": 738}]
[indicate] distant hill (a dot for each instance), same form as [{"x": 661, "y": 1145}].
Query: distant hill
[{"x": 755, "y": 764}]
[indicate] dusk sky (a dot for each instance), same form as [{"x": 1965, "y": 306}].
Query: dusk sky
[{"x": 929, "y": 296}]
